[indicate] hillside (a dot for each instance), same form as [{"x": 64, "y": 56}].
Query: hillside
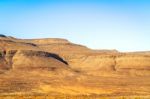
[{"x": 56, "y": 66}]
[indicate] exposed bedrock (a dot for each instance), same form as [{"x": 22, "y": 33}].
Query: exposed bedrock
[
  {"x": 39, "y": 53},
  {"x": 107, "y": 63},
  {"x": 29, "y": 59}
]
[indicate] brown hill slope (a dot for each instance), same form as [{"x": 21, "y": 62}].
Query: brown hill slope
[
  {"x": 84, "y": 59},
  {"x": 57, "y": 66}
]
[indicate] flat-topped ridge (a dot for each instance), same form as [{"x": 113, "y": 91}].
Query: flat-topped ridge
[{"x": 44, "y": 41}]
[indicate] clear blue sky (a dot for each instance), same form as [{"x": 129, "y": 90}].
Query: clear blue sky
[{"x": 102, "y": 24}]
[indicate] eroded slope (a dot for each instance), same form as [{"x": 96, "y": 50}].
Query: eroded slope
[{"x": 57, "y": 66}]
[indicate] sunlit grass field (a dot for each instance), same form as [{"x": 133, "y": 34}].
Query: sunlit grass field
[{"x": 71, "y": 97}]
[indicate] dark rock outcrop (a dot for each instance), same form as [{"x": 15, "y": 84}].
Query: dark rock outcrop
[{"x": 1, "y": 35}]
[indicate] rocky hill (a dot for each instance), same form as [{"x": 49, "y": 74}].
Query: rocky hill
[{"x": 56, "y": 66}]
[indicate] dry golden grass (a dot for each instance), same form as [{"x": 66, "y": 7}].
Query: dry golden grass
[
  {"x": 29, "y": 66},
  {"x": 70, "y": 97}
]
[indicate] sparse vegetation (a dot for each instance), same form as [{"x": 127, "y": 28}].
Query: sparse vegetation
[
  {"x": 69, "y": 71},
  {"x": 68, "y": 97}
]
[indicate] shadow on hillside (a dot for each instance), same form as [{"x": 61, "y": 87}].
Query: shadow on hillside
[
  {"x": 57, "y": 57},
  {"x": 46, "y": 54}
]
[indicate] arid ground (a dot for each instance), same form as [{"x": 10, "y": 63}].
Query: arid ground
[{"x": 57, "y": 68}]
